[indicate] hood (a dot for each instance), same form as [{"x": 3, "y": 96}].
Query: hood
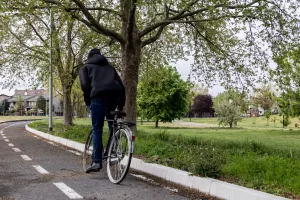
[{"x": 97, "y": 59}]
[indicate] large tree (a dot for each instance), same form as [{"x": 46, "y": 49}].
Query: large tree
[
  {"x": 225, "y": 36},
  {"x": 163, "y": 96},
  {"x": 25, "y": 50}
]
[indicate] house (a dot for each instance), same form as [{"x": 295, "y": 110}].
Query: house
[
  {"x": 3, "y": 97},
  {"x": 30, "y": 97}
]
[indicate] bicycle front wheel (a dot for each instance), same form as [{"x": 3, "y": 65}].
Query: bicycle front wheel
[
  {"x": 88, "y": 152},
  {"x": 119, "y": 156}
]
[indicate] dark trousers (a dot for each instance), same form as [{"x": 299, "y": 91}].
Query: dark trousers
[{"x": 100, "y": 108}]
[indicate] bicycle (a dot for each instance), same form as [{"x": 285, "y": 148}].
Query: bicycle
[{"x": 118, "y": 151}]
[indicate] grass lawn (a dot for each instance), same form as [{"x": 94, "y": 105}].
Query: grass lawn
[
  {"x": 7, "y": 118},
  {"x": 253, "y": 122},
  {"x": 263, "y": 159}
]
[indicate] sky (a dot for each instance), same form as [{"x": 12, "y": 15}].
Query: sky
[{"x": 183, "y": 67}]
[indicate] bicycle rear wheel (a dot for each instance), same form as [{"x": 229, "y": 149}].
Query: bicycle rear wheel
[
  {"x": 88, "y": 152},
  {"x": 119, "y": 156}
]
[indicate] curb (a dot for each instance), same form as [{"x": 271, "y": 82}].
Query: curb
[
  {"x": 19, "y": 120},
  {"x": 209, "y": 186}
]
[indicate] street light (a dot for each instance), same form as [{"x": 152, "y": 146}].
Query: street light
[{"x": 50, "y": 78}]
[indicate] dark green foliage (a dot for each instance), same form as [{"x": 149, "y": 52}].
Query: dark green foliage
[
  {"x": 162, "y": 95},
  {"x": 202, "y": 104}
]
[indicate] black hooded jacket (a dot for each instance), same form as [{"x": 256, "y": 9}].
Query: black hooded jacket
[{"x": 98, "y": 78}]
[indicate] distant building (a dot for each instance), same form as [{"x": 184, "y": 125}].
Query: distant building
[
  {"x": 30, "y": 97},
  {"x": 3, "y": 97}
]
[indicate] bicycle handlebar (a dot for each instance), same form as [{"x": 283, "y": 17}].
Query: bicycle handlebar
[
  {"x": 118, "y": 114},
  {"x": 122, "y": 114}
]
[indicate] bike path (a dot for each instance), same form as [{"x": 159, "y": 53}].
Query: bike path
[{"x": 32, "y": 168}]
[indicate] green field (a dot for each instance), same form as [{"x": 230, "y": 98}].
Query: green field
[
  {"x": 263, "y": 159},
  {"x": 8, "y": 118},
  {"x": 253, "y": 122}
]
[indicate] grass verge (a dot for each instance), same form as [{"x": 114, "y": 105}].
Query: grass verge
[{"x": 247, "y": 158}]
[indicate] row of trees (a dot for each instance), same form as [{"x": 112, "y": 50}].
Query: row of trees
[
  {"x": 143, "y": 35},
  {"x": 164, "y": 96}
]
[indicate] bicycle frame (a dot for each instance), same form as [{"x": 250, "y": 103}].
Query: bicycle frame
[{"x": 116, "y": 126}]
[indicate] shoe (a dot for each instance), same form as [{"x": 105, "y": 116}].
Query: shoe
[{"x": 95, "y": 167}]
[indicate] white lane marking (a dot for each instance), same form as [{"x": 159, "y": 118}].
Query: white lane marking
[
  {"x": 26, "y": 157},
  {"x": 68, "y": 191},
  {"x": 16, "y": 149},
  {"x": 1, "y": 131},
  {"x": 75, "y": 152},
  {"x": 40, "y": 169},
  {"x": 10, "y": 144},
  {"x": 4, "y": 137},
  {"x": 6, "y": 140},
  {"x": 2, "y": 134}
]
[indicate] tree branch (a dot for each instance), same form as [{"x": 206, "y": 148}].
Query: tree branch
[
  {"x": 221, "y": 6},
  {"x": 210, "y": 19},
  {"x": 90, "y": 22},
  {"x": 22, "y": 43},
  {"x": 95, "y": 24},
  {"x": 177, "y": 16},
  {"x": 36, "y": 32},
  {"x": 182, "y": 14},
  {"x": 96, "y": 8},
  {"x": 131, "y": 19},
  {"x": 70, "y": 25},
  {"x": 25, "y": 55},
  {"x": 155, "y": 37}
]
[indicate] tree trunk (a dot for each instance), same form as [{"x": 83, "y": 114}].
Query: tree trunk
[
  {"x": 156, "y": 124},
  {"x": 131, "y": 52},
  {"x": 68, "y": 120},
  {"x": 230, "y": 125}
]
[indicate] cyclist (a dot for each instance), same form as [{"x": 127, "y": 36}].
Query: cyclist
[{"x": 103, "y": 91}]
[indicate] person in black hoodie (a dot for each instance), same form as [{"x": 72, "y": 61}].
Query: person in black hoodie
[{"x": 103, "y": 91}]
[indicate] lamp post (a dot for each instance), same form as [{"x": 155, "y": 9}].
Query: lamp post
[{"x": 50, "y": 77}]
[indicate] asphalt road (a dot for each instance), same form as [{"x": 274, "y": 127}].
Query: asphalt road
[{"x": 32, "y": 168}]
